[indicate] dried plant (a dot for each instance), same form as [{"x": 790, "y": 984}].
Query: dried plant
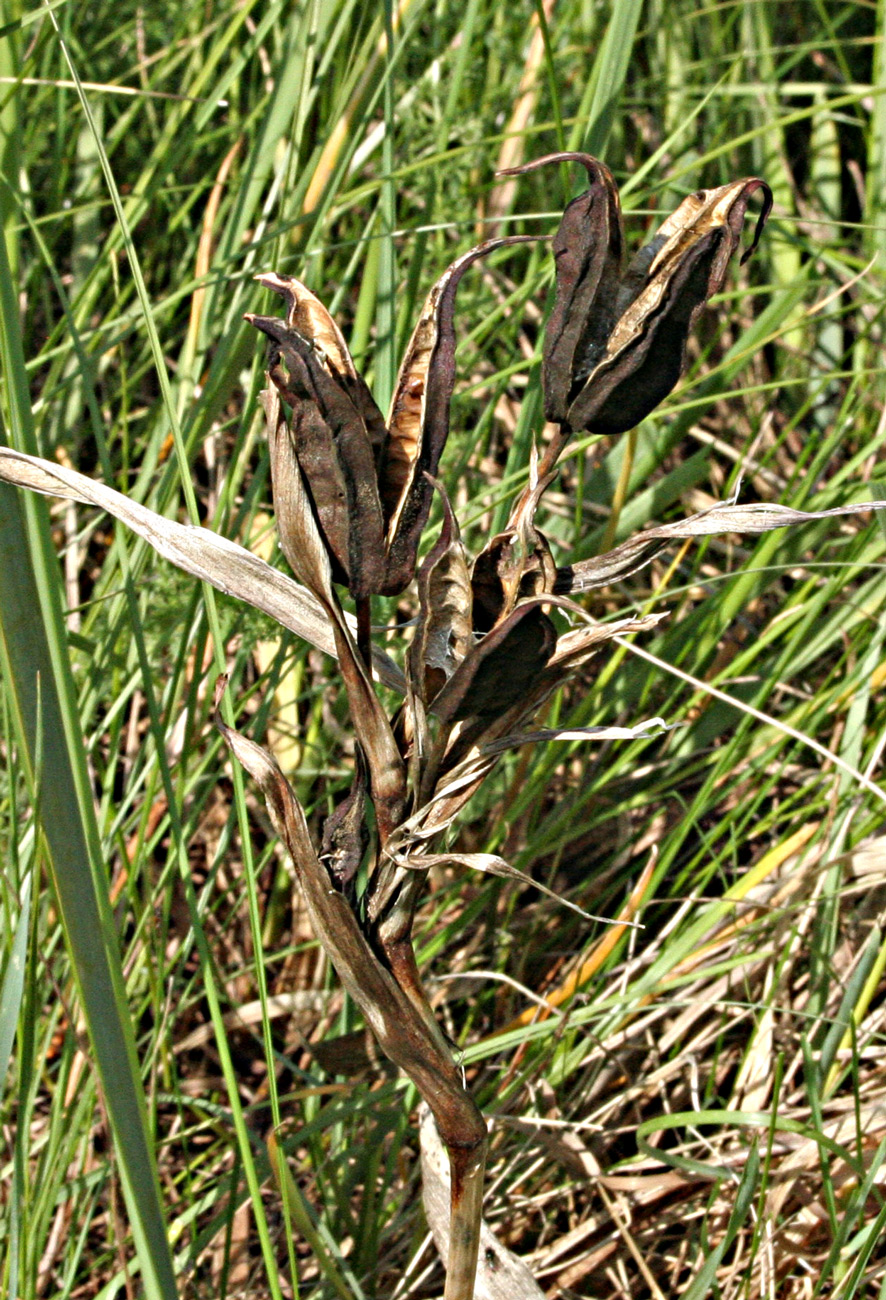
[
  {"x": 352, "y": 498},
  {"x": 352, "y": 495}
]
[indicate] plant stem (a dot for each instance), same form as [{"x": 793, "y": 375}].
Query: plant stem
[{"x": 467, "y": 1167}]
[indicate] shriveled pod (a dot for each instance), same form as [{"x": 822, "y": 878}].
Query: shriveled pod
[
  {"x": 368, "y": 480},
  {"x": 335, "y": 428},
  {"x": 444, "y": 634},
  {"x": 418, "y": 422},
  {"x": 615, "y": 343},
  {"x": 517, "y": 563},
  {"x": 588, "y": 249}
]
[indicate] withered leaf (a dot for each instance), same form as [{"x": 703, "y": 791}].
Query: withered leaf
[
  {"x": 639, "y": 731},
  {"x": 638, "y": 551},
  {"x": 572, "y": 649},
  {"x": 501, "y": 1275},
  {"x": 444, "y": 635},
  {"x": 493, "y": 865},
  {"x": 208, "y": 556},
  {"x": 500, "y": 669}
]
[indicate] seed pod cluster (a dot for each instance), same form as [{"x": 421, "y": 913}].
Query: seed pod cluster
[
  {"x": 368, "y": 478},
  {"x": 616, "y": 339}
]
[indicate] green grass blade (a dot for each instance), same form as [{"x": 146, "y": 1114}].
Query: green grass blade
[
  {"x": 13, "y": 981},
  {"x": 37, "y": 675},
  {"x": 608, "y": 77}
]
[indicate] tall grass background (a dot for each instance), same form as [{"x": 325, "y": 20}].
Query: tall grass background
[{"x": 189, "y": 1103}]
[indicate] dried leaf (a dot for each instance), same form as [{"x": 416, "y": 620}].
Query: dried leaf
[
  {"x": 444, "y": 634},
  {"x": 638, "y": 551},
  {"x": 572, "y": 650},
  {"x": 205, "y": 555},
  {"x": 493, "y": 865},
  {"x": 418, "y": 423},
  {"x": 580, "y": 644},
  {"x": 640, "y": 731}
]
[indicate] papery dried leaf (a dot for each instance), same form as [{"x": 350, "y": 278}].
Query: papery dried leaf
[
  {"x": 588, "y": 249},
  {"x": 640, "y": 731},
  {"x": 471, "y": 758},
  {"x": 205, "y": 555},
  {"x": 329, "y": 436},
  {"x": 492, "y": 865},
  {"x": 447, "y": 800},
  {"x": 418, "y": 423},
  {"x": 443, "y": 636},
  {"x": 638, "y": 551},
  {"x": 663, "y": 290},
  {"x": 500, "y": 669},
  {"x": 575, "y": 647}
]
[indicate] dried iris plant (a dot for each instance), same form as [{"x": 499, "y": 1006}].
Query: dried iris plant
[{"x": 352, "y": 497}]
